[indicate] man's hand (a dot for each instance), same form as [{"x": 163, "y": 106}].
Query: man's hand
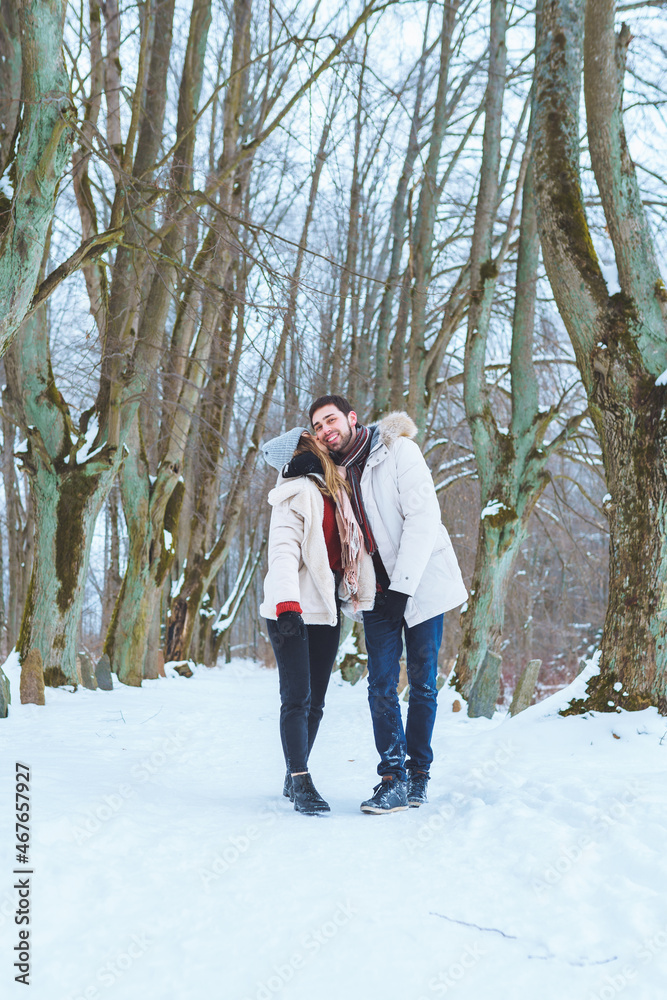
[
  {"x": 289, "y": 623},
  {"x": 303, "y": 465},
  {"x": 390, "y": 604}
]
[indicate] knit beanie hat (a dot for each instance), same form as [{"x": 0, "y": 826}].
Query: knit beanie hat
[{"x": 278, "y": 451}]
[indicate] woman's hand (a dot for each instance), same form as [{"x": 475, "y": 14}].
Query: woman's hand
[
  {"x": 290, "y": 623},
  {"x": 303, "y": 465}
]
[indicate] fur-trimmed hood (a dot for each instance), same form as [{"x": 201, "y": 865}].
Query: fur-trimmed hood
[{"x": 392, "y": 427}]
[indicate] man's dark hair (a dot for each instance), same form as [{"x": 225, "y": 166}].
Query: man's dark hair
[{"x": 339, "y": 402}]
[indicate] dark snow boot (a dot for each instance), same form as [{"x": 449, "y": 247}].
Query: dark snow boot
[
  {"x": 389, "y": 796},
  {"x": 287, "y": 787},
  {"x": 306, "y": 798},
  {"x": 417, "y": 782}
]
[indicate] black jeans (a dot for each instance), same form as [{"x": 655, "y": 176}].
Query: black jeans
[{"x": 304, "y": 667}]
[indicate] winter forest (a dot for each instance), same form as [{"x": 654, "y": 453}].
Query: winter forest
[{"x": 214, "y": 211}]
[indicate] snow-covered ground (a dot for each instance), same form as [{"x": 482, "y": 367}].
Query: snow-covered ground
[{"x": 168, "y": 866}]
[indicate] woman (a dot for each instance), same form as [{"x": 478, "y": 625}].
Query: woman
[{"x": 317, "y": 563}]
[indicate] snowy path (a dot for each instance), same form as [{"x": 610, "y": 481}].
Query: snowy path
[{"x": 168, "y": 866}]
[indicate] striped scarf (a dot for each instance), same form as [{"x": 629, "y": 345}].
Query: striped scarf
[{"x": 354, "y": 461}]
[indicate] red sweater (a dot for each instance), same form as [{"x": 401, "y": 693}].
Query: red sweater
[{"x": 332, "y": 539}]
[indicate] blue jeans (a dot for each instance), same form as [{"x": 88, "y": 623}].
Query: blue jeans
[{"x": 384, "y": 643}]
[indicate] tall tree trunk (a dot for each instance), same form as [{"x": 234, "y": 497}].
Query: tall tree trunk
[
  {"x": 498, "y": 539},
  {"x": 41, "y": 155},
  {"x": 337, "y": 368},
  {"x": 68, "y": 491},
  {"x": 68, "y": 504},
  {"x": 112, "y": 577},
  {"x": 151, "y": 513},
  {"x": 422, "y": 249},
  {"x": 95, "y": 274},
  {"x": 399, "y": 212},
  {"x": 620, "y": 341},
  {"x": 10, "y": 79},
  {"x": 511, "y": 463},
  {"x": 19, "y": 514}
]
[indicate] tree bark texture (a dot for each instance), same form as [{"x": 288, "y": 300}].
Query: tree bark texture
[
  {"x": 68, "y": 503},
  {"x": 112, "y": 577},
  {"x": 10, "y": 78},
  {"x": 41, "y": 154}
]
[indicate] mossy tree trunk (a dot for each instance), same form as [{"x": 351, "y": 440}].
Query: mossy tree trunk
[
  {"x": 511, "y": 463},
  {"x": 151, "y": 512},
  {"x": 31, "y": 37},
  {"x": 10, "y": 78},
  {"x": 69, "y": 502},
  {"x": 498, "y": 543},
  {"x": 505, "y": 463},
  {"x": 68, "y": 490},
  {"x": 620, "y": 341},
  {"x": 19, "y": 514}
]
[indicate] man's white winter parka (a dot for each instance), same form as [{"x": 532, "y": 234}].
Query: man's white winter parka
[
  {"x": 298, "y": 561},
  {"x": 404, "y": 514}
]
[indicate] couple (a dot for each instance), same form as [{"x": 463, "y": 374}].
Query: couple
[{"x": 356, "y": 524}]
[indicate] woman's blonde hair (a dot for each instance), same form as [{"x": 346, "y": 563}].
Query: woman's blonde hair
[{"x": 332, "y": 477}]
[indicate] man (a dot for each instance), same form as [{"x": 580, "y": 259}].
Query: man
[{"x": 395, "y": 502}]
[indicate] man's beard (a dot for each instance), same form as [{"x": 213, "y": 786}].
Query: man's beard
[{"x": 343, "y": 444}]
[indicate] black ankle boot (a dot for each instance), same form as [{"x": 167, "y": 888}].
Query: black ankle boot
[
  {"x": 306, "y": 797},
  {"x": 287, "y": 787},
  {"x": 417, "y": 782}
]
